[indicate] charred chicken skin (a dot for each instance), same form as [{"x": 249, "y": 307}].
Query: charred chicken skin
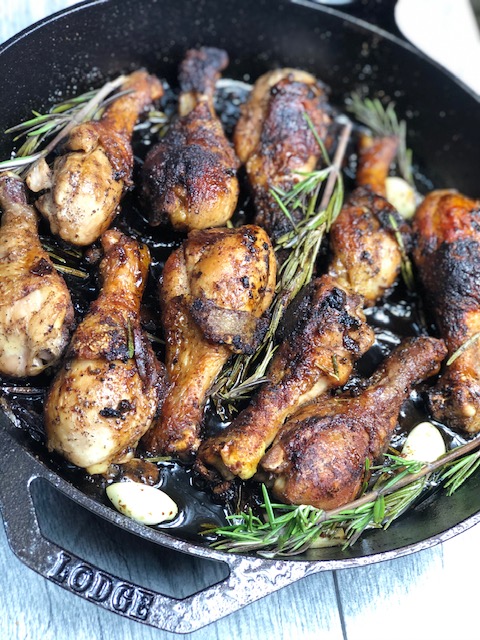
[
  {"x": 327, "y": 334},
  {"x": 105, "y": 396},
  {"x": 365, "y": 252},
  {"x": 319, "y": 456},
  {"x": 36, "y": 311},
  {"x": 215, "y": 291},
  {"x": 189, "y": 178},
  {"x": 275, "y": 141},
  {"x": 447, "y": 256},
  {"x": 88, "y": 180}
]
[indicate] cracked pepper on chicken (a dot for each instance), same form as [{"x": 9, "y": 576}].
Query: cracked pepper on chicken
[
  {"x": 214, "y": 294},
  {"x": 84, "y": 189},
  {"x": 189, "y": 178},
  {"x": 105, "y": 395},
  {"x": 36, "y": 310},
  {"x": 274, "y": 139},
  {"x": 327, "y": 334}
]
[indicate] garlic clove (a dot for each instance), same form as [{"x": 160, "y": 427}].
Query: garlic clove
[
  {"x": 401, "y": 195},
  {"x": 142, "y": 502},
  {"x": 424, "y": 443}
]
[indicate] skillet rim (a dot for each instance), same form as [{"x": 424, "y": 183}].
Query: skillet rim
[{"x": 180, "y": 544}]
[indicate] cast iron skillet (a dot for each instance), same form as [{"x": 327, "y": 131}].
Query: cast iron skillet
[{"x": 84, "y": 45}]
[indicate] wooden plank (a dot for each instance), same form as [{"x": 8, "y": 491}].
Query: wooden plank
[{"x": 424, "y": 595}]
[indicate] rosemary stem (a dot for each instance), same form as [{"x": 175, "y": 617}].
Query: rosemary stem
[
  {"x": 426, "y": 470},
  {"x": 78, "y": 117},
  {"x": 337, "y": 164}
]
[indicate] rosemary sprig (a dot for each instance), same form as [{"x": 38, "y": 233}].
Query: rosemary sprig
[
  {"x": 60, "y": 263},
  {"x": 317, "y": 212},
  {"x": 57, "y": 124},
  {"x": 287, "y": 530},
  {"x": 383, "y": 121},
  {"x": 71, "y": 271},
  {"x": 458, "y": 471}
]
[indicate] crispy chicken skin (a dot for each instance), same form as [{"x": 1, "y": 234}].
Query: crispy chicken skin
[
  {"x": 274, "y": 140},
  {"x": 319, "y": 456},
  {"x": 189, "y": 178},
  {"x": 365, "y": 252},
  {"x": 447, "y": 256},
  {"x": 215, "y": 291},
  {"x": 94, "y": 171},
  {"x": 36, "y": 311},
  {"x": 375, "y": 155},
  {"x": 327, "y": 334},
  {"x": 105, "y": 396}
]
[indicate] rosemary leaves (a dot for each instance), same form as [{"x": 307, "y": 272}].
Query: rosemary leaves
[{"x": 288, "y": 530}]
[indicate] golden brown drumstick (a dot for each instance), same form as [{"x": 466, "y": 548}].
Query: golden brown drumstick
[
  {"x": 89, "y": 179},
  {"x": 328, "y": 335},
  {"x": 36, "y": 312},
  {"x": 366, "y": 254},
  {"x": 375, "y": 156},
  {"x": 447, "y": 255},
  {"x": 215, "y": 291},
  {"x": 275, "y": 141},
  {"x": 189, "y": 178},
  {"x": 105, "y": 396},
  {"x": 319, "y": 456}
]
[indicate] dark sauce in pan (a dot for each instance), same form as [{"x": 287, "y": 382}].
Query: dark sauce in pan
[{"x": 401, "y": 314}]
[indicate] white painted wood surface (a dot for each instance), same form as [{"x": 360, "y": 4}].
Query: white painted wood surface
[{"x": 429, "y": 595}]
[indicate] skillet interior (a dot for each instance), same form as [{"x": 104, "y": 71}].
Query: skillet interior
[{"x": 83, "y": 46}]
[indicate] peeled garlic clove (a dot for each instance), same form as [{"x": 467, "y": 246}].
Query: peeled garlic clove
[
  {"x": 142, "y": 502},
  {"x": 401, "y": 195},
  {"x": 424, "y": 443}
]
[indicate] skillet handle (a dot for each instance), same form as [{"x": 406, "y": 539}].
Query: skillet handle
[{"x": 249, "y": 579}]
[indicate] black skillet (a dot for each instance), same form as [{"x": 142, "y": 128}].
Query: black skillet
[{"x": 82, "y": 46}]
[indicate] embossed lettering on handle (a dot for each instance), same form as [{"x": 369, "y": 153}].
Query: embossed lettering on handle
[{"x": 118, "y": 595}]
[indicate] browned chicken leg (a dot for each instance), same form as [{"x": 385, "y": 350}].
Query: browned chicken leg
[
  {"x": 319, "y": 456},
  {"x": 90, "y": 178},
  {"x": 106, "y": 394},
  {"x": 447, "y": 255},
  {"x": 375, "y": 156},
  {"x": 275, "y": 142},
  {"x": 36, "y": 312},
  {"x": 189, "y": 178},
  {"x": 328, "y": 335},
  {"x": 215, "y": 291},
  {"x": 366, "y": 254}
]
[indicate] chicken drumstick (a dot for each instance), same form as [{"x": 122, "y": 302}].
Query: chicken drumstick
[
  {"x": 189, "y": 178},
  {"x": 105, "y": 396},
  {"x": 319, "y": 456},
  {"x": 36, "y": 311},
  {"x": 447, "y": 255},
  {"x": 328, "y": 334},
  {"x": 89, "y": 179},
  {"x": 215, "y": 291},
  {"x": 275, "y": 141}
]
